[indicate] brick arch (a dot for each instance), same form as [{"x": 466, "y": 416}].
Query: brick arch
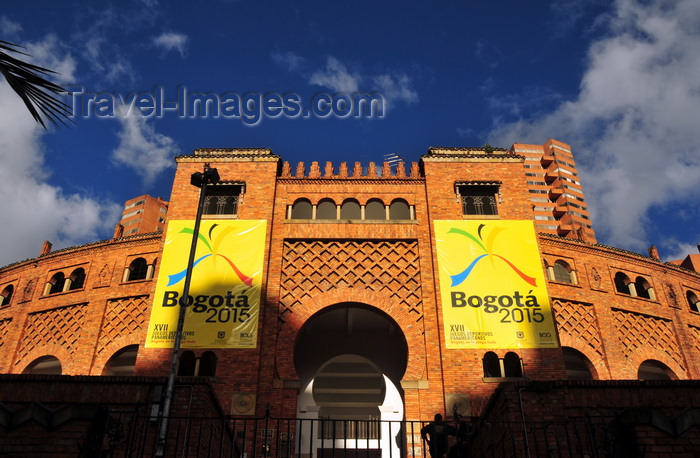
[
  {"x": 411, "y": 329},
  {"x": 601, "y": 368},
  {"x": 62, "y": 354},
  {"x": 637, "y": 357},
  {"x": 109, "y": 350}
]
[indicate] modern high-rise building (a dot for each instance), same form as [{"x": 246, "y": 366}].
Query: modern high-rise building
[
  {"x": 143, "y": 214},
  {"x": 554, "y": 185},
  {"x": 334, "y": 309}
]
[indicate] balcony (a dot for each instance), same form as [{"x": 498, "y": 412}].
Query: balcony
[
  {"x": 546, "y": 159},
  {"x": 551, "y": 176}
]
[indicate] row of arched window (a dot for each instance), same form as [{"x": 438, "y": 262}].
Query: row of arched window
[
  {"x": 561, "y": 271},
  {"x": 509, "y": 366},
  {"x": 60, "y": 283},
  {"x": 350, "y": 209},
  {"x": 138, "y": 269},
  {"x": 640, "y": 287},
  {"x": 578, "y": 367},
  {"x": 123, "y": 363}
]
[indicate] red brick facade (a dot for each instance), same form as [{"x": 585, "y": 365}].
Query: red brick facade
[{"x": 386, "y": 266}]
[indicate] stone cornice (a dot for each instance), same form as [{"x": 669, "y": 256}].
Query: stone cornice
[
  {"x": 137, "y": 239},
  {"x": 351, "y": 180},
  {"x": 613, "y": 252},
  {"x": 230, "y": 155},
  {"x": 470, "y": 155}
]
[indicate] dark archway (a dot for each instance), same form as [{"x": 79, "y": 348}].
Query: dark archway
[
  {"x": 351, "y": 328},
  {"x": 350, "y": 358}
]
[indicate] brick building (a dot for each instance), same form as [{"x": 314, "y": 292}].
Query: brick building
[{"x": 353, "y": 315}]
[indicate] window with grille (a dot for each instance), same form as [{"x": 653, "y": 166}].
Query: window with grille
[
  {"x": 478, "y": 198},
  {"x": 223, "y": 199}
]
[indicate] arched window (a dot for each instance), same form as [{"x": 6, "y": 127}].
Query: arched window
[
  {"x": 46, "y": 365},
  {"x": 6, "y": 295},
  {"x": 622, "y": 282},
  {"x": 655, "y": 370},
  {"x": 512, "y": 365},
  {"x": 207, "y": 364},
  {"x": 578, "y": 367},
  {"x": 77, "y": 279},
  {"x": 693, "y": 301},
  {"x": 350, "y": 210},
  {"x": 643, "y": 288},
  {"x": 56, "y": 283},
  {"x": 302, "y": 209},
  {"x": 375, "y": 209},
  {"x": 326, "y": 209},
  {"x": 138, "y": 269},
  {"x": 399, "y": 209},
  {"x": 562, "y": 272},
  {"x": 187, "y": 363},
  {"x": 122, "y": 362},
  {"x": 492, "y": 366}
]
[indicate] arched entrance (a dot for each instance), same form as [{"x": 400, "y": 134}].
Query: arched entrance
[{"x": 350, "y": 359}]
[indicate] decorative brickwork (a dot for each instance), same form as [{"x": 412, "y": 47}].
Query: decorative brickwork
[
  {"x": 4, "y": 326},
  {"x": 384, "y": 266},
  {"x": 313, "y": 267},
  {"x": 577, "y": 326},
  {"x": 124, "y": 317},
  {"x": 28, "y": 292},
  {"x": 103, "y": 276},
  {"x": 695, "y": 333},
  {"x": 57, "y": 328},
  {"x": 640, "y": 333}
]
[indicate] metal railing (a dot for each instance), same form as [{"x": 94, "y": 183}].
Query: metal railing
[{"x": 128, "y": 434}]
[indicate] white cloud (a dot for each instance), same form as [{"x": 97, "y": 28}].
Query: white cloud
[
  {"x": 291, "y": 61},
  {"x": 142, "y": 148},
  {"x": 336, "y": 77},
  {"x": 634, "y": 124},
  {"x": 53, "y": 54},
  {"x": 679, "y": 251},
  {"x": 32, "y": 210},
  {"x": 395, "y": 88},
  {"x": 171, "y": 41},
  {"x": 9, "y": 29}
]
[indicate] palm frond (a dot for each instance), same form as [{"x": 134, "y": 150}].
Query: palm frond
[{"x": 29, "y": 82}]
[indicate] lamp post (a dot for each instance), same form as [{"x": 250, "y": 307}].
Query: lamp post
[{"x": 200, "y": 180}]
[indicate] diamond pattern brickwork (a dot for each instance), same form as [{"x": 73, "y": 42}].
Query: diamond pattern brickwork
[
  {"x": 578, "y": 320},
  {"x": 60, "y": 327},
  {"x": 637, "y": 331},
  {"x": 4, "y": 327},
  {"x": 695, "y": 333},
  {"x": 126, "y": 315},
  {"x": 389, "y": 267}
]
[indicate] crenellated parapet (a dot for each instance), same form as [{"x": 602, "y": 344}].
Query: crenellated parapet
[{"x": 386, "y": 171}]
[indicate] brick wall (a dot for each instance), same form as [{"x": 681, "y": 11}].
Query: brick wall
[{"x": 616, "y": 332}]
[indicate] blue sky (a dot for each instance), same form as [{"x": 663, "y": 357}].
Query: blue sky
[{"x": 618, "y": 80}]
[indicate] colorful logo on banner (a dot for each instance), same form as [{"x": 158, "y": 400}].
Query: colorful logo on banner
[
  {"x": 223, "y": 304},
  {"x": 492, "y": 285}
]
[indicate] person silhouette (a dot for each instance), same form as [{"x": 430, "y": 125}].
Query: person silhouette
[{"x": 435, "y": 435}]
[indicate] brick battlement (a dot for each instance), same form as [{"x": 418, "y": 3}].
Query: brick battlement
[{"x": 387, "y": 171}]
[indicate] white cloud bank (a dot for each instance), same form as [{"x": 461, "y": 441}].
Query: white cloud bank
[
  {"x": 32, "y": 210},
  {"x": 635, "y": 126},
  {"x": 335, "y": 76},
  {"x": 142, "y": 148}
]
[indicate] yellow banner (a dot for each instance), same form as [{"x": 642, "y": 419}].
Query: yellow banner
[
  {"x": 492, "y": 285},
  {"x": 223, "y": 304}
]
